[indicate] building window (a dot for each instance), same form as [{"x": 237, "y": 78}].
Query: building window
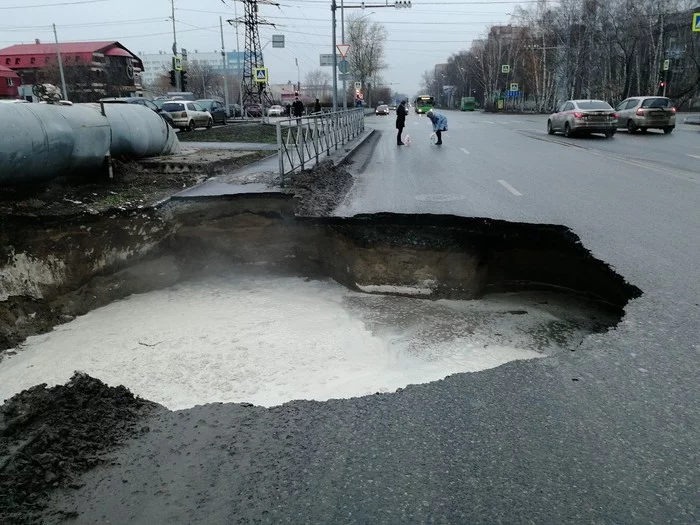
[
  {"x": 7, "y": 61},
  {"x": 10, "y": 81},
  {"x": 32, "y": 60},
  {"x": 16, "y": 61}
]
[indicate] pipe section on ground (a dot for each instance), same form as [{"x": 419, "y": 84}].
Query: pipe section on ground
[{"x": 45, "y": 141}]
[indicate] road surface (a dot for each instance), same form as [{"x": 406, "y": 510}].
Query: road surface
[{"x": 606, "y": 434}]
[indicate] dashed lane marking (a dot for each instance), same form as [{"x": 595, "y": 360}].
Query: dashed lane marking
[
  {"x": 465, "y": 151},
  {"x": 510, "y": 188},
  {"x": 693, "y": 156}
]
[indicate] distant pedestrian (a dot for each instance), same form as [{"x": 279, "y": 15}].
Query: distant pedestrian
[
  {"x": 298, "y": 108},
  {"x": 317, "y": 106},
  {"x": 400, "y": 122},
  {"x": 439, "y": 124}
]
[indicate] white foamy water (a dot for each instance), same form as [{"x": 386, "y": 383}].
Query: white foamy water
[{"x": 268, "y": 339}]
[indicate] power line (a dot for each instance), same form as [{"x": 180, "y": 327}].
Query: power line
[{"x": 54, "y": 5}]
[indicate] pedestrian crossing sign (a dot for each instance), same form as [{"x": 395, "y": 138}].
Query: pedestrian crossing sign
[
  {"x": 696, "y": 22},
  {"x": 261, "y": 74}
]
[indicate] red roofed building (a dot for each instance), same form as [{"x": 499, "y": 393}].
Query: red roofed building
[
  {"x": 9, "y": 82},
  {"x": 92, "y": 69}
]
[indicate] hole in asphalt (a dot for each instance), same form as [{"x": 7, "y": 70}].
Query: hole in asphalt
[{"x": 248, "y": 303}]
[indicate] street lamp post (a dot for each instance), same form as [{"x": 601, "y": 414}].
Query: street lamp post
[{"x": 296, "y": 60}]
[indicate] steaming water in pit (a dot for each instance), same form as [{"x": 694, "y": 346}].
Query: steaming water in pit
[{"x": 267, "y": 339}]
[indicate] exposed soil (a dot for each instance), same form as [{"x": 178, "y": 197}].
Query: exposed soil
[
  {"x": 235, "y": 132},
  {"x": 132, "y": 187},
  {"x": 50, "y": 435},
  {"x": 320, "y": 189}
]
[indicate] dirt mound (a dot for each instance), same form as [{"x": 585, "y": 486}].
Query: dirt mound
[
  {"x": 320, "y": 189},
  {"x": 49, "y": 435}
]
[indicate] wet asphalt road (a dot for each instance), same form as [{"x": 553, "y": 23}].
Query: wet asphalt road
[{"x": 606, "y": 434}]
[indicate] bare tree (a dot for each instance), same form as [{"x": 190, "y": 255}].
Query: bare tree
[
  {"x": 367, "y": 41},
  {"x": 317, "y": 82},
  {"x": 204, "y": 81}
]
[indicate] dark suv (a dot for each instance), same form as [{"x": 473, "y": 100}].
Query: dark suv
[{"x": 142, "y": 102}]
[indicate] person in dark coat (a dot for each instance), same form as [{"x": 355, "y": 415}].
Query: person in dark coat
[
  {"x": 298, "y": 108},
  {"x": 317, "y": 106},
  {"x": 400, "y": 121},
  {"x": 439, "y": 124}
]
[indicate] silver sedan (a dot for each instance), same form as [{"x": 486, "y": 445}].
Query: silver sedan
[{"x": 583, "y": 116}]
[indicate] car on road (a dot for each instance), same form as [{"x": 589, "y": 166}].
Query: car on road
[
  {"x": 254, "y": 110},
  {"x": 643, "y": 113},
  {"x": 235, "y": 110},
  {"x": 188, "y": 115},
  {"x": 383, "y": 109},
  {"x": 392, "y": 107},
  {"x": 216, "y": 109},
  {"x": 693, "y": 121},
  {"x": 275, "y": 111},
  {"x": 583, "y": 117},
  {"x": 150, "y": 104}
]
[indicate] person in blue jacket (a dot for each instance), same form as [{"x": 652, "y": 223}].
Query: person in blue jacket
[{"x": 439, "y": 124}]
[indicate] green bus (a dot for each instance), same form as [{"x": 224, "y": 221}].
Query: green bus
[
  {"x": 468, "y": 104},
  {"x": 424, "y": 103}
]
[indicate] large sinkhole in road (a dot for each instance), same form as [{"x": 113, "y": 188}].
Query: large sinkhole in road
[{"x": 270, "y": 308}]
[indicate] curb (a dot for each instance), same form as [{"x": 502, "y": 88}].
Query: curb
[{"x": 350, "y": 148}]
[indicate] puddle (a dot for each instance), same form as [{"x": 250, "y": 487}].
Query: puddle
[{"x": 266, "y": 339}]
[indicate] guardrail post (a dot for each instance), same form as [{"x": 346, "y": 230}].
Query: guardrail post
[{"x": 280, "y": 152}]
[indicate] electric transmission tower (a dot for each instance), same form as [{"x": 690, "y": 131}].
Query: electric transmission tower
[{"x": 253, "y": 92}]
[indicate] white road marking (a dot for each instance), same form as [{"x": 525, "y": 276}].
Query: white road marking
[
  {"x": 465, "y": 151},
  {"x": 694, "y": 156},
  {"x": 510, "y": 188},
  {"x": 488, "y": 122}
]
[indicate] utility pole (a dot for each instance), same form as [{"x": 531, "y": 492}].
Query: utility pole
[
  {"x": 178, "y": 83},
  {"x": 342, "y": 41},
  {"x": 296, "y": 61},
  {"x": 335, "y": 62},
  {"x": 225, "y": 59},
  {"x": 60, "y": 64}
]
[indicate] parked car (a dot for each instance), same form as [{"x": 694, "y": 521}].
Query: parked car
[
  {"x": 276, "y": 111},
  {"x": 583, "y": 116},
  {"x": 235, "y": 110},
  {"x": 215, "y": 108},
  {"x": 150, "y": 104},
  {"x": 188, "y": 115},
  {"x": 382, "y": 109},
  {"x": 254, "y": 110},
  {"x": 643, "y": 113}
]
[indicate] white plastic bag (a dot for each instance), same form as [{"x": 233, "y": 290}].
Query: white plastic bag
[{"x": 433, "y": 138}]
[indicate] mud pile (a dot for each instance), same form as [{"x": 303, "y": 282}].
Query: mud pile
[
  {"x": 48, "y": 436},
  {"x": 320, "y": 189}
]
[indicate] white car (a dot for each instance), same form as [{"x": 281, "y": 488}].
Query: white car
[
  {"x": 188, "y": 115},
  {"x": 275, "y": 111}
]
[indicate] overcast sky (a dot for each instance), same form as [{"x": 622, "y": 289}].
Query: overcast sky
[{"x": 419, "y": 37}]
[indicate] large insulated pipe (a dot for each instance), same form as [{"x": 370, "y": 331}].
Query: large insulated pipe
[
  {"x": 139, "y": 132},
  {"x": 44, "y": 141}
]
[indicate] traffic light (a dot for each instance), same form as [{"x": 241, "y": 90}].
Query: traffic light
[
  {"x": 183, "y": 79},
  {"x": 173, "y": 82}
]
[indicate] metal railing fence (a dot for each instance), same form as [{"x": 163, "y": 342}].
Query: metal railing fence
[{"x": 302, "y": 141}]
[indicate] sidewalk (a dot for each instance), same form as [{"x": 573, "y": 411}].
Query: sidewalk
[{"x": 259, "y": 177}]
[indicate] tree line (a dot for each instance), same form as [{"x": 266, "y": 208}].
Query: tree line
[{"x": 607, "y": 50}]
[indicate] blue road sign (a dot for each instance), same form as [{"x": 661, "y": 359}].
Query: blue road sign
[
  {"x": 696, "y": 22},
  {"x": 344, "y": 66}
]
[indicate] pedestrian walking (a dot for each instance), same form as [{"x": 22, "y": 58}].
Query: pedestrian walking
[
  {"x": 400, "y": 122},
  {"x": 439, "y": 124},
  {"x": 298, "y": 108},
  {"x": 317, "y": 106}
]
